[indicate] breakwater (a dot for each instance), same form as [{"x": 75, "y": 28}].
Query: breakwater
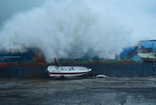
[{"x": 112, "y": 70}]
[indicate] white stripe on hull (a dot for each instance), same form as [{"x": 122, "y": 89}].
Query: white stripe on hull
[{"x": 66, "y": 75}]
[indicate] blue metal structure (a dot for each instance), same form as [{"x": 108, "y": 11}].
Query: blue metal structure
[{"x": 34, "y": 70}]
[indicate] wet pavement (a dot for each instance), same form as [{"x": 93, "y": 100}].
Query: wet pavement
[{"x": 78, "y": 91}]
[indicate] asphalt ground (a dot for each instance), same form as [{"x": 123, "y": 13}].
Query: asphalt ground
[{"x": 78, "y": 91}]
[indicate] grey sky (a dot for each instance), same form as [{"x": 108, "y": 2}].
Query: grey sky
[{"x": 8, "y": 8}]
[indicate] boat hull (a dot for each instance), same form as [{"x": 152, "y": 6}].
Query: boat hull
[
  {"x": 147, "y": 57},
  {"x": 67, "y": 71}
]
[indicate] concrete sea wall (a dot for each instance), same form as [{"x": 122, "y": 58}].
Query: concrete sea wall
[
  {"x": 112, "y": 70},
  {"x": 124, "y": 70},
  {"x": 23, "y": 72}
]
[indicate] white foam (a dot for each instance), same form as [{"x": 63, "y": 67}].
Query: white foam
[{"x": 60, "y": 28}]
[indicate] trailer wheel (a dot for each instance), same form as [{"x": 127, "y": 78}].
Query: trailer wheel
[{"x": 62, "y": 77}]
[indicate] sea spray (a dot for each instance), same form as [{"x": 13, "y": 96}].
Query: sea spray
[{"x": 61, "y": 29}]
